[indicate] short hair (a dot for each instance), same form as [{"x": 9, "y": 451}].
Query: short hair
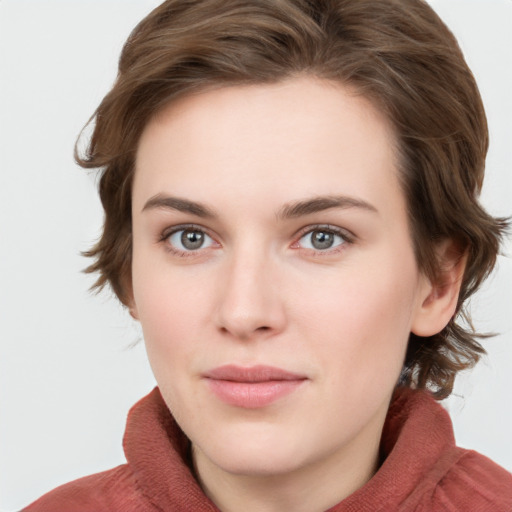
[{"x": 396, "y": 53}]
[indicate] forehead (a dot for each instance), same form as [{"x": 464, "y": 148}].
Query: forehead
[{"x": 302, "y": 136}]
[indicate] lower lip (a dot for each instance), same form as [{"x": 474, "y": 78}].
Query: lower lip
[{"x": 253, "y": 395}]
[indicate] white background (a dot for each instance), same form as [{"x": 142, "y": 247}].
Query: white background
[{"x": 68, "y": 371}]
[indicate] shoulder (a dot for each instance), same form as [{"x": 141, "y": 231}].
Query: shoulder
[
  {"x": 114, "y": 490},
  {"x": 473, "y": 483}
]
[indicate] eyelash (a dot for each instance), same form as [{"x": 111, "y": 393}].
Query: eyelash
[
  {"x": 346, "y": 236},
  {"x": 183, "y": 227}
]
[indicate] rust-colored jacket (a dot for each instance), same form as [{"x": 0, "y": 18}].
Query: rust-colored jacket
[{"x": 422, "y": 469}]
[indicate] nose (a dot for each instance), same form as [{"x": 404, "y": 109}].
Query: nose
[{"x": 251, "y": 302}]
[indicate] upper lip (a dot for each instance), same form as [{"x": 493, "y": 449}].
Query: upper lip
[{"x": 259, "y": 373}]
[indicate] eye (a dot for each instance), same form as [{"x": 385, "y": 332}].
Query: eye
[
  {"x": 189, "y": 239},
  {"x": 321, "y": 239}
]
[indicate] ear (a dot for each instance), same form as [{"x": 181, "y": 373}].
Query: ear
[
  {"x": 438, "y": 300},
  {"x": 132, "y": 308},
  {"x": 130, "y": 300}
]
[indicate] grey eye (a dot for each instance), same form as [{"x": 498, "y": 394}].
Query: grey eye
[
  {"x": 321, "y": 240},
  {"x": 190, "y": 239}
]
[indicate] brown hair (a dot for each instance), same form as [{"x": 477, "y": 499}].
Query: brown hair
[{"x": 397, "y": 53}]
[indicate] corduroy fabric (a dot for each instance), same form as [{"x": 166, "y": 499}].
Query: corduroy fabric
[{"x": 422, "y": 469}]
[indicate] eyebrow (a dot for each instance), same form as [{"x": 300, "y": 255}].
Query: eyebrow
[
  {"x": 321, "y": 203},
  {"x": 160, "y": 201},
  {"x": 288, "y": 211}
]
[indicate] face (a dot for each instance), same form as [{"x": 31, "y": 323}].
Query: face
[{"x": 273, "y": 272}]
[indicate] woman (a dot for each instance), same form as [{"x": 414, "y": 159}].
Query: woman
[{"x": 290, "y": 194}]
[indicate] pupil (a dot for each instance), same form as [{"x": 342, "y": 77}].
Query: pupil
[
  {"x": 322, "y": 240},
  {"x": 192, "y": 239}
]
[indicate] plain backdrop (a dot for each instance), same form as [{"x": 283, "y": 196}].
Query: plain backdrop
[{"x": 70, "y": 365}]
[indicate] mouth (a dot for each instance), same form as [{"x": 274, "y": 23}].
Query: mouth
[{"x": 252, "y": 387}]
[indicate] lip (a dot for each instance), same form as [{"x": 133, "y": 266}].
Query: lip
[{"x": 252, "y": 387}]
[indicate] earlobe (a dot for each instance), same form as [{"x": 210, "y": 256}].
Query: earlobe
[
  {"x": 129, "y": 300},
  {"x": 132, "y": 307},
  {"x": 133, "y": 312},
  {"x": 438, "y": 300}
]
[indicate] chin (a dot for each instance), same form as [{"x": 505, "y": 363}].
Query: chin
[
  {"x": 260, "y": 464},
  {"x": 256, "y": 455}
]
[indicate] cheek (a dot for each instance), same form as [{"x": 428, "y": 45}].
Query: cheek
[
  {"x": 163, "y": 294},
  {"x": 362, "y": 319},
  {"x": 168, "y": 315},
  {"x": 167, "y": 310}
]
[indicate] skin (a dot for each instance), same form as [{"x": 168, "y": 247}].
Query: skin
[{"x": 259, "y": 291}]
